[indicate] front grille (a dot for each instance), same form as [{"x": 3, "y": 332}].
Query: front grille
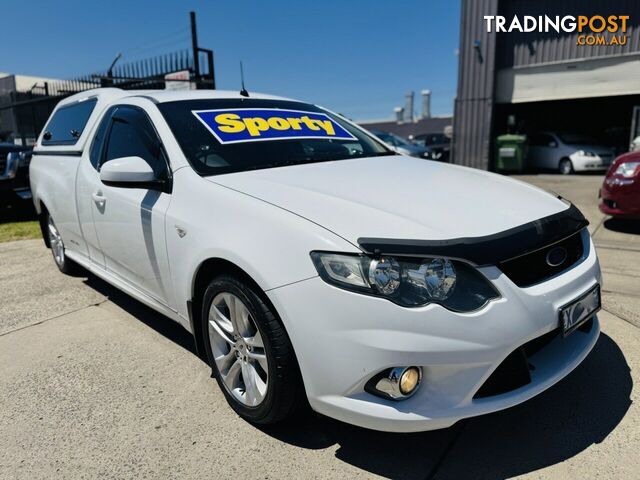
[
  {"x": 515, "y": 370},
  {"x": 3, "y": 163},
  {"x": 538, "y": 266}
]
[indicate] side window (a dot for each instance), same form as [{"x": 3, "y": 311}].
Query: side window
[
  {"x": 539, "y": 140},
  {"x": 67, "y": 124},
  {"x": 550, "y": 141},
  {"x": 546, "y": 140},
  {"x": 132, "y": 135},
  {"x": 98, "y": 140}
]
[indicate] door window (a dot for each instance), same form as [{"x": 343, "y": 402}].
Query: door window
[
  {"x": 540, "y": 140},
  {"x": 133, "y": 135}
]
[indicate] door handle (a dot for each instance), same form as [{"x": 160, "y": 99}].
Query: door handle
[{"x": 98, "y": 198}]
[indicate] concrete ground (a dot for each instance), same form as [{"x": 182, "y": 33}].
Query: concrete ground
[{"x": 93, "y": 384}]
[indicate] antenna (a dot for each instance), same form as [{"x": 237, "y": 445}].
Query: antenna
[
  {"x": 113, "y": 64},
  {"x": 243, "y": 91}
]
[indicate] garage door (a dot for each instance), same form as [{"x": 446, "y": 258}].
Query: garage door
[{"x": 587, "y": 78}]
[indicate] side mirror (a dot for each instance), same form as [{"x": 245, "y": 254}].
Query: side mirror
[{"x": 129, "y": 172}]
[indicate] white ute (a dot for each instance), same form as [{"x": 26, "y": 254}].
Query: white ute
[{"x": 308, "y": 260}]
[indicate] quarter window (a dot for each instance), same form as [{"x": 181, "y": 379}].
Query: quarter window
[
  {"x": 67, "y": 124},
  {"x": 98, "y": 140}
]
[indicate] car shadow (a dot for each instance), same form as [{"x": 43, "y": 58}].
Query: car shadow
[
  {"x": 558, "y": 424},
  {"x": 622, "y": 225},
  {"x": 152, "y": 319}
]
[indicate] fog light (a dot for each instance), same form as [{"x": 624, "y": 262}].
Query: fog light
[
  {"x": 409, "y": 380},
  {"x": 396, "y": 383}
]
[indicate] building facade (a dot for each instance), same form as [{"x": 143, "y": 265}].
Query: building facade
[
  {"x": 406, "y": 124},
  {"x": 524, "y": 82}
]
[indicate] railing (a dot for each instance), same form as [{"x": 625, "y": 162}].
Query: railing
[{"x": 23, "y": 114}]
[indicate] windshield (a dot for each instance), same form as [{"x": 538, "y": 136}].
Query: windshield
[
  {"x": 434, "y": 138},
  {"x": 236, "y": 135},
  {"x": 392, "y": 139},
  {"x": 577, "y": 139}
]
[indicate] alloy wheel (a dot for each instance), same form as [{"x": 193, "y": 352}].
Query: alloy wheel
[
  {"x": 55, "y": 240},
  {"x": 566, "y": 167},
  {"x": 238, "y": 349}
]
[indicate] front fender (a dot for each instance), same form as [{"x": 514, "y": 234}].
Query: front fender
[{"x": 270, "y": 244}]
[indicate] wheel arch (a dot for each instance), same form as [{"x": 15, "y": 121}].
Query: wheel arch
[
  {"x": 43, "y": 212},
  {"x": 207, "y": 270}
]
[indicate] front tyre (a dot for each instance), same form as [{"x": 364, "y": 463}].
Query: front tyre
[
  {"x": 249, "y": 351},
  {"x": 565, "y": 166},
  {"x": 64, "y": 264}
]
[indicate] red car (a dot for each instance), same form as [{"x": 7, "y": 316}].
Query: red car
[{"x": 620, "y": 192}]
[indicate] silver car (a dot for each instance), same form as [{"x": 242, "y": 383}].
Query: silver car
[
  {"x": 567, "y": 153},
  {"x": 402, "y": 146}
]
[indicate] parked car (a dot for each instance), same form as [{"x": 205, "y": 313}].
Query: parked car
[
  {"x": 309, "y": 260},
  {"x": 14, "y": 170},
  {"x": 439, "y": 144},
  {"x": 402, "y": 146},
  {"x": 567, "y": 153},
  {"x": 620, "y": 192}
]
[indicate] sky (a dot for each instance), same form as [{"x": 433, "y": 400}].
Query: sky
[{"x": 356, "y": 57}]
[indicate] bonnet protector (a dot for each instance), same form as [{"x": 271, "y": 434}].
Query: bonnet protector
[{"x": 489, "y": 249}]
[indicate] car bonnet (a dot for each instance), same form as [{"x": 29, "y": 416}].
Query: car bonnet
[{"x": 397, "y": 197}]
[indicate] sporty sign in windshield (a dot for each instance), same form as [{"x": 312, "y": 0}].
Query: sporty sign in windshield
[{"x": 229, "y": 135}]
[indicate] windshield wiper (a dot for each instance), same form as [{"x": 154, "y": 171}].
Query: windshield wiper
[{"x": 382, "y": 154}]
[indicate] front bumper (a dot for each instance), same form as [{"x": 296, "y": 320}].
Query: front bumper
[
  {"x": 342, "y": 339},
  {"x": 582, "y": 163},
  {"x": 620, "y": 197}
]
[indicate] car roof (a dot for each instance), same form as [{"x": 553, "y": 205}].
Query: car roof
[
  {"x": 162, "y": 96},
  {"x": 107, "y": 96}
]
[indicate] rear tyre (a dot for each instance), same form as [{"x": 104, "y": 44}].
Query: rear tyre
[
  {"x": 64, "y": 264},
  {"x": 565, "y": 166},
  {"x": 249, "y": 352}
]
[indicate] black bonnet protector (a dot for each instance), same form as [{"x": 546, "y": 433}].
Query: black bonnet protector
[{"x": 490, "y": 249}]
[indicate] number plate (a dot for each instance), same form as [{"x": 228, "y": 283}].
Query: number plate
[{"x": 580, "y": 310}]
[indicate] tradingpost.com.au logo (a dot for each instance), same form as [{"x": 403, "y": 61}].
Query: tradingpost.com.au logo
[{"x": 593, "y": 30}]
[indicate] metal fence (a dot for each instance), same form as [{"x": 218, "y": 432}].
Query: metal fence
[{"x": 24, "y": 114}]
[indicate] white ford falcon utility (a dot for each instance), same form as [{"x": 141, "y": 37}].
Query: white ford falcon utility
[{"x": 308, "y": 260}]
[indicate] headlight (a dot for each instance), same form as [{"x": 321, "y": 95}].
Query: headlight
[
  {"x": 586, "y": 154},
  {"x": 628, "y": 169},
  {"x": 408, "y": 282},
  {"x": 385, "y": 274}
]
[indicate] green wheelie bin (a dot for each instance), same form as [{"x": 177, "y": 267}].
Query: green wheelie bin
[{"x": 510, "y": 153}]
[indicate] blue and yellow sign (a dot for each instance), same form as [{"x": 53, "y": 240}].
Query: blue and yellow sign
[{"x": 236, "y": 125}]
